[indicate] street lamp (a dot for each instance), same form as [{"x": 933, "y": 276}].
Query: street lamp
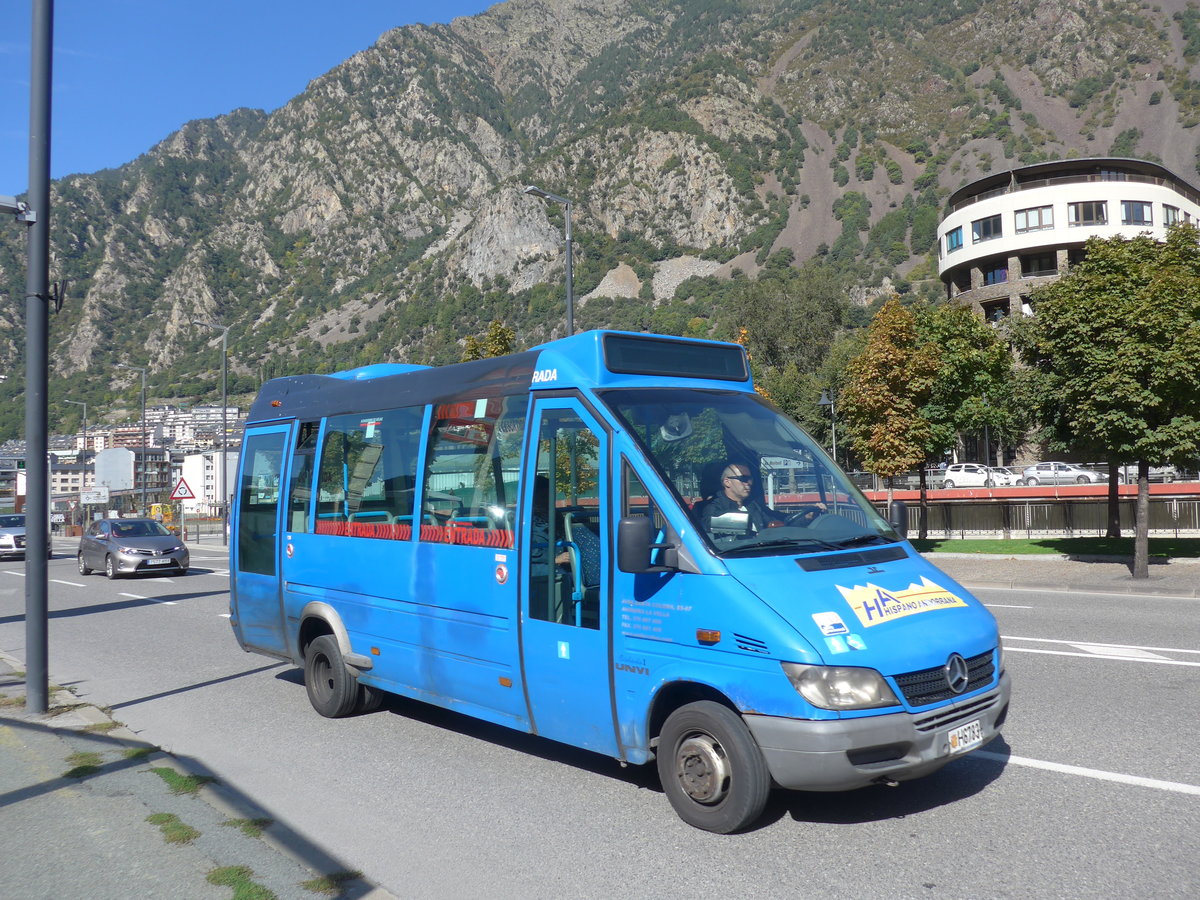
[
  {"x": 827, "y": 400},
  {"x": 82, "y": 457},
  {"x": 224, "y": 329},
  {"x": 145, "y": 462},
  {"x": 534, "y": 191}
]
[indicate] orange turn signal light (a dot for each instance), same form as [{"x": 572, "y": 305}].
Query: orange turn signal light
[
  {"x": 277, "y": 403},
  {"x": 707, "y": 636}
]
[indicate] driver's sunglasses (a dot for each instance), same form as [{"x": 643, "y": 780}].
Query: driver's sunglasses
[{"x": 745, "y": 479}]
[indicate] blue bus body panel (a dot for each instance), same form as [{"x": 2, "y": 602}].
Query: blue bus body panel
[{"x": 441, "y": 624}]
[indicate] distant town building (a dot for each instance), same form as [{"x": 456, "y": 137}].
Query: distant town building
[{"x": 1006, "y": 234}]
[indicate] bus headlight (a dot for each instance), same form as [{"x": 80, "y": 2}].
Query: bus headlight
[{"x": 840, "y": 687}]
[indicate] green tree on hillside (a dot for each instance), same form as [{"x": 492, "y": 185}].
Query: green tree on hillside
[{"x": 1114, "y": 356}]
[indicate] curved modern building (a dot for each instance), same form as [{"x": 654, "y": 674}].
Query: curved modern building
[{"x": 1012, "y": 231}]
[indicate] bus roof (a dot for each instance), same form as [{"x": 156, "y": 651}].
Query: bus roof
[{"x": 593, "y": 359}]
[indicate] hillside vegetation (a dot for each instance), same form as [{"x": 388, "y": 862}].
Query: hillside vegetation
[{"x": 704, "y": 143}]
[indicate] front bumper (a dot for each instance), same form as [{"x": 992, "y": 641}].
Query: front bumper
[
  {"x": 128, "y": 564},
  {"x": 844, "y": 754}
]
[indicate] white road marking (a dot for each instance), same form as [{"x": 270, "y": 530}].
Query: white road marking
[
  {"x": 71, "y": 583},
  {"x": 1009, "y": 637},
  {"x": 1099, "y": 774},
  {"x": 10, "y": 572},
  {"x": 1006, "y": 606},
  {"x": 151, "y": 599},
  {"x": 1090, "y": 593},
  {"x": 1160, "y": 662}
]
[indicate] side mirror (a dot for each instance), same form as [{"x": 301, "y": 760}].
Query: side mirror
[
  {"x": 898, "y": 518},
  {"x": 634, "y": 537}
]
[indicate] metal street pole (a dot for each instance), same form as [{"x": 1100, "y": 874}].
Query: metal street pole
[
  {"x": 82, "y": 456},
  {"x": 224, "y": 329},
  {"x": 827, "y": 400},
  {"x": 145, "y": 447},
  {"x": 535, "y": 191},
  {"x": 37, "y": 327}
]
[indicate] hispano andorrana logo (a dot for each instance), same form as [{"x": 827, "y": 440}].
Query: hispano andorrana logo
[{"x": 872, "y": 604}]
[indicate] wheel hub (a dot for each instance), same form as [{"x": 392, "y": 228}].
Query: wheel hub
[{"x": 703, "y": 768}]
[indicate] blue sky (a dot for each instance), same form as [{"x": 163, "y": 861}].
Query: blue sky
[{"x": 127, "y": 73}]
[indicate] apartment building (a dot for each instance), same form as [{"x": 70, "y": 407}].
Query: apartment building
[{"x": 1010, "y": 232}]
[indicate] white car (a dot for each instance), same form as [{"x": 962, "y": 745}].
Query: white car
[
  {"x": 1061, "y": 473},
  {"x": 975, "y": 475},
  {"x": 12, "y": 536}
]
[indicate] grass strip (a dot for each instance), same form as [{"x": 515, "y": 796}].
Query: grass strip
[
  {"x": 239, "y": 878},
  {"x": 331, "y": 884},
  {"x": 174, "y": 830},
  {"x": 1159, "y": 547},
  {"x": 182, "y": 784}
]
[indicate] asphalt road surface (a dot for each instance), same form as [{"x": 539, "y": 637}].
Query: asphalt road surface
[{"x": 1094, "y": 789}]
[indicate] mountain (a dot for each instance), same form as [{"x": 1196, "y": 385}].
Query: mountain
[{"x": 380, "y": 215}]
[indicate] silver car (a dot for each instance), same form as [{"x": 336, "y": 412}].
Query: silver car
[
  {"x": 131, "y": 546},
  {"x": 12, "y": 536},
  {"x": 1061, "y": 473}
]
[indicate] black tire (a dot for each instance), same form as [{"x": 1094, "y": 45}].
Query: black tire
[
  {"x": 369, "y": 699},
  {"x": 1032, "y": 482},
  {"x": 1082, "y": 479},
  {"x": 332, "y": 690},
  {"x": 711, "y": 769},
  {"x": 84, "y": 568},
  {"x": 110, "y": 567},
  {"x": 948, "y": 484},
  {"x": 988, "y": 483}
]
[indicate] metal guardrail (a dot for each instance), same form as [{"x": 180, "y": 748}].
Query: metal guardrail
[{"x": 1042, "y": 517}]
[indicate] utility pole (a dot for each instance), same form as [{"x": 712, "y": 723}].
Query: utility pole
[{"x": 36, "y": 214}]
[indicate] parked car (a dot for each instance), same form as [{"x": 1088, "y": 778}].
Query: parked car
[
  {"x": 1166, "y": 474},
  {"x": 12, "y": 536},
  {"x": 131, "y": 546},
  {"x": 1017, "y": 473},
  {"x": 1061, "y": 473},
  {"x": 975, "y": 475}
]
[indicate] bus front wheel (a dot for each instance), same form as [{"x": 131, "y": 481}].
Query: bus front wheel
[
  {"x": 711, "y": 769},
  {"x": 332, "y": 691}
]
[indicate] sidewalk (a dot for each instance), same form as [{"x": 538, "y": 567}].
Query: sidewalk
[
  {"x": 87, "y": 812},
  {"x": 1102, "y": 575}
]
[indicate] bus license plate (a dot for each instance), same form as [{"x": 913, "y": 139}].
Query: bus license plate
[
  {"x": 965, "y": 737},
  {"x": 165, "y": 561}
]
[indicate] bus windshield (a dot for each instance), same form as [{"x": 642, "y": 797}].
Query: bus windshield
[{"x": 753, "y": 482}]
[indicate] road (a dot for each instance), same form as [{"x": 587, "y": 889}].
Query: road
[{"x": 1094, "y": 788}]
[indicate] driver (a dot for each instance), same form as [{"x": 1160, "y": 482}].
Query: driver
[{"x": 734, "y": 497}]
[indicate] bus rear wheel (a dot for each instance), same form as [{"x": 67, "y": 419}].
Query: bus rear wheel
[
  {"x": 711, "y": 769},
  {"x": 332, "y": 691}
]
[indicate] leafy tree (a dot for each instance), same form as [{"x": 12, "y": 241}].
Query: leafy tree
[
  {"x": 888, "y": 384},
  {"x": 1114, "y": 354},
  {"x": 498, "y": 341}
]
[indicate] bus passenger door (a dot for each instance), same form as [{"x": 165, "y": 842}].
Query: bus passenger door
[
  {"x": 565, "y": 582},
  {"x": 255, "y": 597}
]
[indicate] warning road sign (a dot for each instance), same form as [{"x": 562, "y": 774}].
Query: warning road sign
[{"x": 182, "y": 491}]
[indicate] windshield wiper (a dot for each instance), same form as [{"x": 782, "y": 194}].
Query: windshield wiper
[
  {"x": 778, "y": 543},
  {"x": 864, "y": 539}
]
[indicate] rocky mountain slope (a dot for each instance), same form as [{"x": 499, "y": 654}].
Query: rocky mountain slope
[{"x": 380, "y": 216}]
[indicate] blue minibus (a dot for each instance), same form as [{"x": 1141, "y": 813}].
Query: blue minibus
[{"x": 613, "y": 541}]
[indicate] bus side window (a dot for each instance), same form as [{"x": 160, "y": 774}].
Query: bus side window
[
  {"x": 470, "y": 488},
  {"x": 367, "y": 472},
  {"x": 302, "y": 471}
]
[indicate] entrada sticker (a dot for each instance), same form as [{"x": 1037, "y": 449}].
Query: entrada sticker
[
  {"x": 830, "y": 623},
  {"x": 872, "y": 604}
]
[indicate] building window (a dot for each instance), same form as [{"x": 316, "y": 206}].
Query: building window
[
  {"x": 1090, "y": 212},
  {"x": 1037, "y": 264},
  {"x": 1170, "y": 214},
  {"x": 1135, "y": 212},
  {"x": 954, "y": 240},
  {"x": 1037, "y": 218},
  {"x": 997, "y": 273},
  {"x": 986, "y": 229}
]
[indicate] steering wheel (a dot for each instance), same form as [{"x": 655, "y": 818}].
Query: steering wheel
[{"x": 805, "y": 517}]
